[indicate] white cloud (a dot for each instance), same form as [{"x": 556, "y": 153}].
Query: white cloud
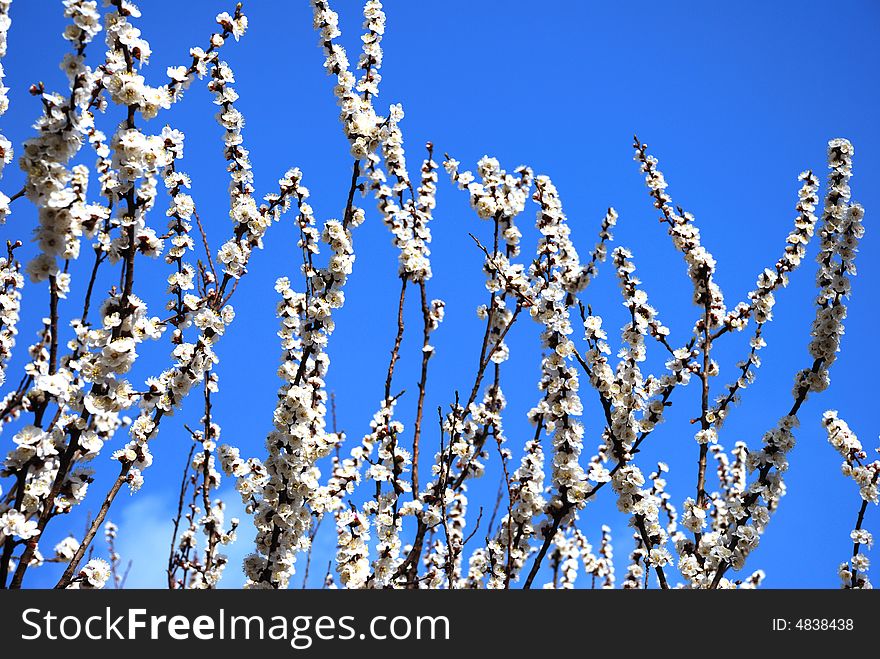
[{"x": 145, "y": 527}]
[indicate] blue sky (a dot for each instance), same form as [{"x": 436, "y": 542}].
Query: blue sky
[{"x": 735, "y": 102}]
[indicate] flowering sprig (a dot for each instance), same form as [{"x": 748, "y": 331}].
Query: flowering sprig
[
  {"x": 707, "y": 294},
  {"x": 11, "y": 282},
  {"x": 564, "y": 559},
  {"x": 62, "y": 208},
  {"x": 300, "y": 438},
  {"x": 181, "y": 282},
  {"x": 187, "y": 567},
  {"x": 556, "y": 275},
  {"x": 359, "y": 120},
  {"x": 600, "y": 566},
  {"x": 408, "y": 219},
  {"x": 642, "y": 557},
  {"x": 628, "y": 397},
  {"x": 854, "y": 573},
  {"x": 111, "y": 532},
  {"x": 685, "y": 237},
  {"x": 504, "y": 556}
]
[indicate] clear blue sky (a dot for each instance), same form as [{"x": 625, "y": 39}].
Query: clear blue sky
[{"x": 735, "y": 101}]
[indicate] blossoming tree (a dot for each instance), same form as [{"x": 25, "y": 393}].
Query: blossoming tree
[{"x": 77, "y": 393}]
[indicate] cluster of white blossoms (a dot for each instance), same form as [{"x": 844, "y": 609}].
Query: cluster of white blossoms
[
  {"x": 352, "y": 526},
  {"x": 440, "y": 508},
  {"x": 848, "y": 445},
  {"x": 250, "y": 221},
  {"x": 406, "y": 217},
  {"x": 627, "y": 390},
  {"x": 840, "y": 234},
  {"x": 731, "y": 481},
  {"x": 388, "y": 471},
  {"x": 182, "y": 280},
  {"x": 554, "y": 278},
  {"x": 359, "y": 120},
  {"x": 353, "y": 555},
  {"x": 622, "y": 390},
  {"x": 58, "y": 192},
  {"x": 11, "y": 282},
  {"x": 426, "y": 201},
  {"x": 94, "y": 575},
  {"x": 497, "y": 193},
  {"x": 15, "y": 525},
  {"x": 685, "y": 237},
  {"x": 443, "y": 560},
  {"x": 641, "y": 557},
  {"x": 66, "y": 549},
  {"x": 504, "y": 197},
  {"x": 854, "y": 573}
]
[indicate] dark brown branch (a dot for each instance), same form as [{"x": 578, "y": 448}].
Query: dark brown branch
[
  {"x": 423, "y": 379},
  {"x": 93, "y": 529}
]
